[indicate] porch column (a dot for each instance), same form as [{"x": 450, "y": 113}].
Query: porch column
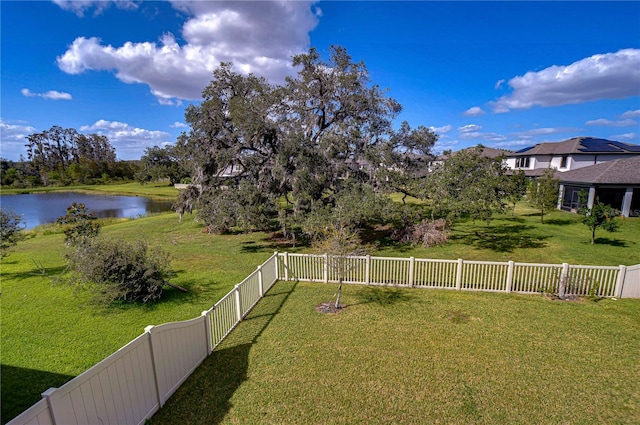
[
  {"x": 560, "y": 196},
  {"x": 626, "y": 202},
  {"x": 592, "y": 197}
]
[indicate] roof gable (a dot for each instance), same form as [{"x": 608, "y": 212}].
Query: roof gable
[
  {"x": 619, "y": 171},
  {"x": 579, "y": 145}
]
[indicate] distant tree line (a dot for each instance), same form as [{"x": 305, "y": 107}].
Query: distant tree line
[{"x": 62, "y": 156}]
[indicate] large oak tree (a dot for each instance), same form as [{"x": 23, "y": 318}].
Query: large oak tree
[{"x": 252, "y": 143}]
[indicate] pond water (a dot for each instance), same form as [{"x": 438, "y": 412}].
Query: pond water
[{"x": 41, "y": 208}]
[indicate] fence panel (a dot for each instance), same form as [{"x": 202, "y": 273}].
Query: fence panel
[
  {"x": 269, "y": 270},
  {"x": 118, "y": 390},
  {"x": 534, "y": 278},
  {"x": 484, "y": 276},
  {"x": 178, "y": 348},
  {"x": 389, "y": 271},
  {"x": 592, "y": 280},
  {"x": 631, "y": 283},
  {"x": 223, "y": 317},
  {"x": 38, "y": 414},
  {"x": 435, "y": 273},
  {"x": 352, "y": 269},
  {"x": 305, "y": 267},
  {"x": 249, "y": 292}
]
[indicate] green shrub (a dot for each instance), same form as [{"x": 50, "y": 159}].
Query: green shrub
[
  {"x": 81, "y": 224},
  {"x": 120, "y": 271},
  {"x": 10, "y": 231}
]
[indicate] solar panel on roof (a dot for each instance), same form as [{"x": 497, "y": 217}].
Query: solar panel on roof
[
  {"x": 524, "y": 150},
  {"x": 602, "y": 145},
  {"x": 628, "y": 147}
]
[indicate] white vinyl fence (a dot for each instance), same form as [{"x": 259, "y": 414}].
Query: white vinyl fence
[
  {"x": 129, "y": 386},
  {"x": 526, "y": 278}
]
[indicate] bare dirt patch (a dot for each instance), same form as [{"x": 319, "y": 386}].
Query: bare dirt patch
[{"x": 329, "y": 308}]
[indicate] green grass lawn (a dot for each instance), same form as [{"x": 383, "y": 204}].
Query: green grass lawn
[
  {"x": 152, "y": 190},
  {"x": 51, "y": 332},
  {"x": 414, "y": 356}
]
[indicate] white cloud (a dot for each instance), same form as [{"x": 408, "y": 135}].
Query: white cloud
[
  {"x": 80, "y": 6},
  {"x": 473, "y": 112},
  {"x": 609, "y": 123},
  {"x": 603, "y": 76},
  {"x": 631, "y": 114},
  {"x": 469, "y": 128},
  {"x": 128, "y": 141},
  {"x": 472, "y": 132},
  {"x": 511, "y": 144},
  {"x": 259, "y": 37},
  {"x": 543, "y": 131},
  {"x": 441, "y": 130},
  {"x": 627, "y": 137},
  {"x": 13, "y": 139},
  {"x": 178, "y": 124},
  {"x": 441, "y": 146},
  {"x": 51, "y": 94}
]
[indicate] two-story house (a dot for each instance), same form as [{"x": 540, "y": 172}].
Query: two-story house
[{"x": 606, "y": 169}]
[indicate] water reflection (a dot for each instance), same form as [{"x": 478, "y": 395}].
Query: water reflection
[{"x": 40, "y": 208}]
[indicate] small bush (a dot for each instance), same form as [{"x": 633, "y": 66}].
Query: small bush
[
  {"x": 81, "y": 225},
  {"x": 119, "y": 270},
  {"x": 10, "y": 231}
]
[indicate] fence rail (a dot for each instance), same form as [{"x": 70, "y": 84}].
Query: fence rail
[{"x": 129, "y": 386}]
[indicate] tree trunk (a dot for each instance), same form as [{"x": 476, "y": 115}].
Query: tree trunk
[
  {"x": 339, "y": 292},
  {"x": 593, "y": 236}
]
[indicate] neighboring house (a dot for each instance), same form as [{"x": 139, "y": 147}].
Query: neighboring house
[
  {"x": 615, "y": 182},
  {"x": 606, "y": 169},
  {"x": 569, "y": 155},
  {"x": 485, "y": 151}
]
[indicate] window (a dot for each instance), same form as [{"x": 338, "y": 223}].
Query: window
[
  {"x": 522, "y": 162},
  {"x": 564, "y": 161}
]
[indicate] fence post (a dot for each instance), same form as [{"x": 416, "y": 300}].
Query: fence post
[
  {"x": 207, "y": 331},
  {"x": 620, "y": 283},
  {"x": 412, "y": 265},
  {"x": 510, "y": 276},
  {"x": 286, "y": 266},
  {"x": 367, "y": 270},
  {"x": 238, "y": 303},
  {"x": 51, "y": 398},
  {"x": 564, "y": 278},
  {"x": 277, "y": 265},
  {"x": 147, "y": 330},
  {"x": 325, "y": 268},
  {"x": 459, "y": 274},
  {"x": 260, "y": 284}
]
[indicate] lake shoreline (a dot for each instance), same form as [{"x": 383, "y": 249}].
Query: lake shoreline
[{"x": 45, "y": 207}]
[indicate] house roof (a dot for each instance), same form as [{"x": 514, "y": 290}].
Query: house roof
[
  {"x": 579, "y": 145},
  {"x": 619, "y": 171},
  {"x": 488, "y": 152}
]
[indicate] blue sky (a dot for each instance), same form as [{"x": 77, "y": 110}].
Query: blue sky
[{"x": 504, "y": 74}]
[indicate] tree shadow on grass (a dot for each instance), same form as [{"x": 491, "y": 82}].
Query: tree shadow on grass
[
  {"x": 37, "y": 271},
  {"x": 611, "y": 242},
  {"x": 21, "y": 388},
  {"x": 204, "y": 398},
  {"x": 274, "y": 242},
  {"x": 382, "y": 295},
  {"x": 559, "y": 222},
  {"x": 505, "y": 238}
]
